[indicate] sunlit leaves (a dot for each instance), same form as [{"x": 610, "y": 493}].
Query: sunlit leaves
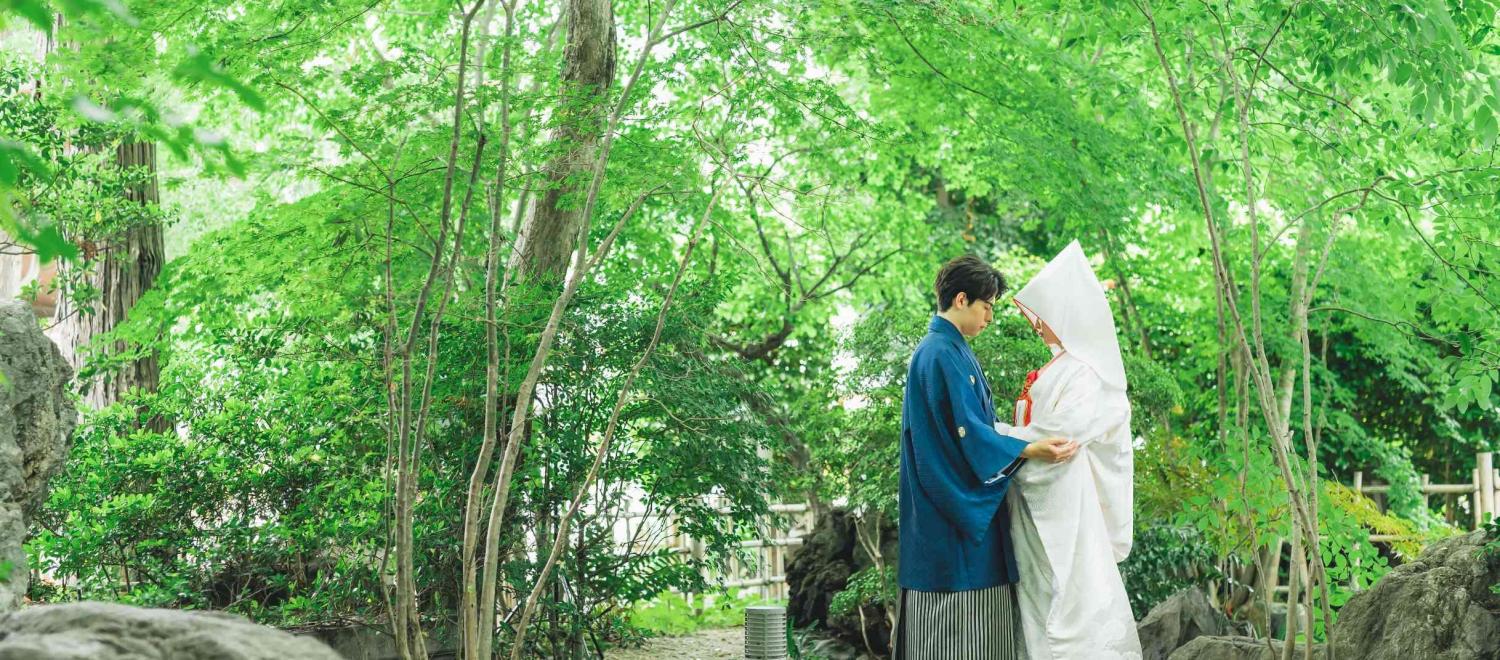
[
  {"x": 41, "y": 13},
  {"x": 44, "y": 239},
  {"x": 36, "y": 12},
  {"x": 199, "y": 66},
  {"x": 16, "y": 158}
]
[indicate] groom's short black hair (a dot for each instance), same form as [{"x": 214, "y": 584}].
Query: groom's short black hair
[{"x": 971, "y": 275}]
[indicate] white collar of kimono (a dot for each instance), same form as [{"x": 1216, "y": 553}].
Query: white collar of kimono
[{"x": 1069, "y": 298}]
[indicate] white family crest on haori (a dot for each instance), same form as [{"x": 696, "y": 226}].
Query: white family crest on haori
[{"x": 1072, "y": 522}]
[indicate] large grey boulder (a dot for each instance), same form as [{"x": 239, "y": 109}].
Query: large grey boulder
[
  {"x": 1178, "y": 620},
  {"x": 84, "y": 631},
  {"x": 1437, "y": 607},
  {"x": 366, "y": 641},
  {"x": 36, "y": 421},
  {"x": 1239, "y": 648}
]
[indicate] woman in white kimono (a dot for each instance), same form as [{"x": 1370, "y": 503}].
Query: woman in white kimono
[{"x": 1071, "y": 521}]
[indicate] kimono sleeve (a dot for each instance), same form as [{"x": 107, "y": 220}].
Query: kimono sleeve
[{"x": 988, "y": 453}]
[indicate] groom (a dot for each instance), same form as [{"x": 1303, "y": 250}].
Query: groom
[{"x": 956, "y": 569}]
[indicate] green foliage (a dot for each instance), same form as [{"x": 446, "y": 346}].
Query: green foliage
[
  {"x": 872, "y": 140},
  {"x": 268, "y": 496},
  {"x": 1352, "y": 562},
  {"x": 1492, "y": 544},
  {"x": 272, "y": 519},
  {"x": 1164, "y": 560},
  {"x": 677, "y": 442},
  {"x": 1346, "y": 521},
  {"x": 669, "y": 613},
  {"x": 199, "y": 67},
  {"x": 866, "y": 587}
]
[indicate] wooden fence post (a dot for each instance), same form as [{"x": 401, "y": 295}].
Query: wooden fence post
[
  {"x": 1486, "y": 483},
  {"x": 1478, "y": 499},
  {"x": 1495, "y": 497},
  {"x": 1359, "y": 487}
]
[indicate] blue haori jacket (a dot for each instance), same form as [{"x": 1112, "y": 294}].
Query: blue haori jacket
[{"x": 955, "y": 469}]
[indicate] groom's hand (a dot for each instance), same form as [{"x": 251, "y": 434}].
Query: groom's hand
[{"x": 1052, "y": 450}]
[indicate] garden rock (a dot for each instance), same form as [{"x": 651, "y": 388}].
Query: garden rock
[
  {"x": 80, "y": 631},
  {"x": 1178, "y": 620},
  {"x": 1237, "y": 648},
  {"x": 821, "y": 568},
  {"x": 1438, "y": 607},
  {"x": 36, "y": 421}
]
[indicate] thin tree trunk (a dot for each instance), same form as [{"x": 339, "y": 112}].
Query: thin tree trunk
[
  {"x": 1295, "y": 575},
  {"x": 609, "y": 431},
  {"x": 471, "y": 618},
  {"x": 582, "y": 264},
  {"x": 869, "y": 539},
  {"x": 410, "y": 432},
  {"x": 1259, "y": 363}
]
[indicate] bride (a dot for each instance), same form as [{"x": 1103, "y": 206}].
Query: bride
[{"x": 1071, "y": 521}]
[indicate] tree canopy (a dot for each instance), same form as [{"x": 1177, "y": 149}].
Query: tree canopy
[{"x": 450, "y": 281}]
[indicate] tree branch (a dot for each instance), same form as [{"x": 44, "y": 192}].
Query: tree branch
[
  {"x": 723, "y": 15},
  {"x": 938, "y": 71}
]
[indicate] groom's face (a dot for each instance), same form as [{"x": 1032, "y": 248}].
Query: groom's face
[{"x": 972, "y": 317}]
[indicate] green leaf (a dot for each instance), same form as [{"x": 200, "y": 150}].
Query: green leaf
[
  {"x": 46, "y": 240},
  {"x": 1419, "y": 105},
  {"x": 15, "y": 157},
  {"x": 199, "y": 67},
  {"x": 113, "y": 7},
  {"x": 36, "y": 12},
  {"x": 1402, "y": 73},
  {"x": 1485, "y": 126}
]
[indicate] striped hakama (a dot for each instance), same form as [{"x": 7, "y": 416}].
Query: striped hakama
[{"x": 983, "y": 624}]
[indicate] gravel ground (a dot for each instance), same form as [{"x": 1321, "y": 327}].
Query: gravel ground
[
  {"x": 712, "y": 644},
  {"x": 725, "y": 643}
]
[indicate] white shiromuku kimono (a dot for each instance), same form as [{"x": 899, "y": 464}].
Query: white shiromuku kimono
[{"x": 1071, "y": 522}]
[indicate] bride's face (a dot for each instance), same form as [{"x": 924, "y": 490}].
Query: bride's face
[
  {"x": 1042, "y": 329},
  {"x": 1047, "y": 335}
]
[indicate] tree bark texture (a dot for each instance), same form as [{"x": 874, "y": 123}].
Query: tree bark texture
[
  {"x": 126, "y": 266},
  {"x": 550, "y": 231}
]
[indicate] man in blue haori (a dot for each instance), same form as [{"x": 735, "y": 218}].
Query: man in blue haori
[{"x": 957, "y": 571}]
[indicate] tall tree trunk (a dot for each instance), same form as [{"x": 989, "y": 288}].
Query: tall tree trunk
[
  {"x": 127, "y": 266},
  {"x": 550, "y": 232}
]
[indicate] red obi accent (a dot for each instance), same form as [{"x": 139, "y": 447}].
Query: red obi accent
[{"x": 1026, "y": 397}]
